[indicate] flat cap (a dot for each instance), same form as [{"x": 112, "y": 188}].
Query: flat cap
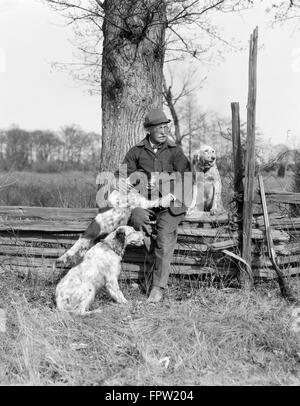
[{"x": 155, "y": 117}]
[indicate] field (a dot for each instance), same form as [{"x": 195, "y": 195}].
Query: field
[
  {"x": 78, "y": 189},
  {"x": 206, "y": 336},
  {"x": 67, "y": 189},
  {"x": 210, "y": 334}
]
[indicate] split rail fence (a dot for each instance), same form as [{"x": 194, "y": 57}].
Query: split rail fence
[{"x": 31, "y": 238}]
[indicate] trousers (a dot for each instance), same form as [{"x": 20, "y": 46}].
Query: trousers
[{"x": 164, "y": 245}]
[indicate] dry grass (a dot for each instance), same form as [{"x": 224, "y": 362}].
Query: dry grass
[
  {"x": 68, "y": 189},
  {"x": 204, "y": 336},
  {"x": 273, "y": 182}
]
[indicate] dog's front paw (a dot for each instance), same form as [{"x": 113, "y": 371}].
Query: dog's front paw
[
  {"x": 67, "y": 260},
  {"x": 62, "y": 261}
]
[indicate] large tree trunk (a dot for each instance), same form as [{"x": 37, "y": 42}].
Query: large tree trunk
[{"x": 132, "y": 69}]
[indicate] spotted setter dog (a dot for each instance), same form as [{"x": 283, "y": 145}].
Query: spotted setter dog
[
  {"x": 100, "y": 267},
  {"x": 122, "y": 202},
  {"x": 208, "y": 187}
]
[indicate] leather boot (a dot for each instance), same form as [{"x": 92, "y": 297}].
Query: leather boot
[{"x": 156, "y": 295}]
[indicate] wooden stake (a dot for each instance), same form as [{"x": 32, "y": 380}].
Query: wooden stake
[
  {"x": 245, "y": 274},
  {"x": 250, "y": 152},
  {"x": 237, "y": 157}
]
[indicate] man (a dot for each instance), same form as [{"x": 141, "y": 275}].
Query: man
[{"x": 156, "y": 153}]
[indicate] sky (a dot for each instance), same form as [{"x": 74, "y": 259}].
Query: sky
[{"x": 34, "y": 95}]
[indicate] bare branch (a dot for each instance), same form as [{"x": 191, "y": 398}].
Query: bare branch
[
  {"x": 184, "y": 12},
  {"x": 182, "y": 15},
  {"x": 66, "y": 5}
]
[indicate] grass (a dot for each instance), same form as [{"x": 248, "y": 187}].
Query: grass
[
  {"x": 69, "y": 189},
  {"x": 204, "y": 336}
]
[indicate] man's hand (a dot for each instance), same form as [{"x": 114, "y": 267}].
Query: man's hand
[
  {"x": 191, "y": 208},
  {"x": 140, "y": 220},
  {"x": 166, "y": 200}
]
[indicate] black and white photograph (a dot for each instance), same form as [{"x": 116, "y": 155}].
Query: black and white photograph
[{"x": 150, "y": 195}]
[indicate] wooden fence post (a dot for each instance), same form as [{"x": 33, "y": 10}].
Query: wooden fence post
[
  {"x": 237, "y": 158},
  {"x": 250, "y": 152}
]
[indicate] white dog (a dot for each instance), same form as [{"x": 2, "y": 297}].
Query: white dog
[
  {"x": 207, "y": 186},
  {"x": 100, "y": 267},
  {"x": 122, "y": 203}
]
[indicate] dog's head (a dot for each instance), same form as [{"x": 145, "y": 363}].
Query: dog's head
[
  {"x": 127, "y": 235},
  {"x": 205, "y": 157}
]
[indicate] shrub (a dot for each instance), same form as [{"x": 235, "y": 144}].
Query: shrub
[
  {"x": 281, "y": 171},
  {"x": 47, "y": 167}
]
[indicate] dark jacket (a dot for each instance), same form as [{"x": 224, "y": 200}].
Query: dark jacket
[{"x": 168, "y": 159}]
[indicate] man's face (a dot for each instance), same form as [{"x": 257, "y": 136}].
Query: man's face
[{"x": 158, "y": 133}]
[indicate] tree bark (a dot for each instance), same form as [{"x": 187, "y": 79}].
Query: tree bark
[
  {"x": 132, "y": 71},
  {"x": 237, "y": 158}
]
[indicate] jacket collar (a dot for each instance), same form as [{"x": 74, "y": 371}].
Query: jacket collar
[{"x": 145, "y": 143}]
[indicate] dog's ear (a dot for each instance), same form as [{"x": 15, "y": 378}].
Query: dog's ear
[
  {"x": 196, "y": 158},
  {"x": 200, "y": 160},
  {"x": 120, "y": 235}
]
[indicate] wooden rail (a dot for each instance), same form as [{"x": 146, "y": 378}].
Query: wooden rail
[
  {"x": 279, "y": 197},
  {"x": 31, "y": 238}
]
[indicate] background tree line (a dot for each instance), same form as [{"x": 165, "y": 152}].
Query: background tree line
[
  {"x": 74, "y": 148},
  {"x": 47, "y": 151}
]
